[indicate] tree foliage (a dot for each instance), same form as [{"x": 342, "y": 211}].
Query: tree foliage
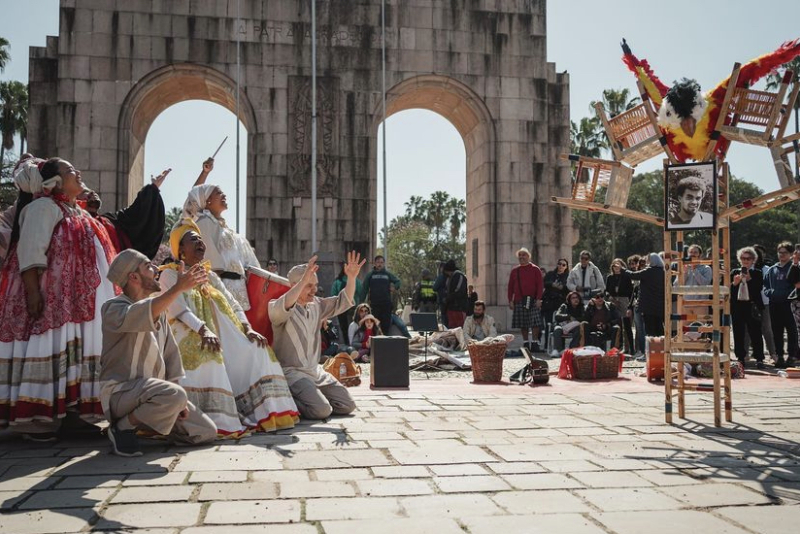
[
  {"x": 13, "y": 115},
  {"x": 5, "y": 56},
  {"x": 430, "y": 231}
]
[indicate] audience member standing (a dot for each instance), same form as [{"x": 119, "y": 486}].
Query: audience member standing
[
  {"x": 457, "y": 297},
  {"x": 380, "y": 284},
  {"x": 555, "y": 291},
  {"x": 425, "y": 298},
  {"x": 651, "y": 295},
  {"x": 525, "y": 291},
  {"x": 778, "y": 288},
  {"x": 766, "y": 322},
  {"x": 746, "y": 306},
  {"x": 585, "y": 277},
  {"x": 620, "y": 291}
]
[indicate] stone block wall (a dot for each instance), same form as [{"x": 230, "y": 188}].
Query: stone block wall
[{"x": 115, "y": 65}]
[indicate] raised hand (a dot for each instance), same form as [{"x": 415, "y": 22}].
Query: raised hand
[
  {"x": 195, "y": 276},
  {"x": 158, "y": 180},
  {"x": 354, "y": 264},
  {"x": 311, "y": 270},
  {"x": 208, "y": 165}
]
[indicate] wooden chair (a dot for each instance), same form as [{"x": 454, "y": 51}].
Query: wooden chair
[
  {"x": 758, "y": 118},
  {"x": 634, "y": 135},
  {"x": 592, "y": 175}
]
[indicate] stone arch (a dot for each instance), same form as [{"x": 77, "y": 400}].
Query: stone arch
[
  {"x": 156, "y": 92},
  {"x": 468, "y": 113}
]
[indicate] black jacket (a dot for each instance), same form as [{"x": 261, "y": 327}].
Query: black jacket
[
  {"x": 567, "y": 313},
  {"x": 457, "y": 297},
  {"x": 554, "y": 296},
  {"x": 753, "y": 287},
  {"x": 651, "y": 290}
]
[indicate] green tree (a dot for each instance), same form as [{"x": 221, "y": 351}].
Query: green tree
[
  {"x": 172, "y": 216},
  {"x": 5, "y": 56},
  {"x": 430, "y": 231},
  {"x": 13, "y": 114},
  {"x": 767, "y": 228}
]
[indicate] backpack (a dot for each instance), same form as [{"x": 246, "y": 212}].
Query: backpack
[{"x": 344, "y": 369}]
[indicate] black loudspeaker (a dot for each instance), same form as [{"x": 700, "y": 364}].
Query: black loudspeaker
[{"x": 388, "y": 366}]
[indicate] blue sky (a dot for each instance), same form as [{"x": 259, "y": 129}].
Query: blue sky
[{"x": 695, "y": 39}]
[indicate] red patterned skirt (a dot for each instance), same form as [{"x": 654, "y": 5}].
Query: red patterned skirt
[{"x": 52, "y": 364}]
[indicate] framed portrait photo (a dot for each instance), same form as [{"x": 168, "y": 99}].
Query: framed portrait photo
[{"x": 690, "y": 194}]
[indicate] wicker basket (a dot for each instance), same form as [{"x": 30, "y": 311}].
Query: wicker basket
[
  {"x": 593, "y": 366},
  {"x": 487, "y": 361}
]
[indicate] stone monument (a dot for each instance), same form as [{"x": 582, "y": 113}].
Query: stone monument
[{"x": 97, "y": 87}]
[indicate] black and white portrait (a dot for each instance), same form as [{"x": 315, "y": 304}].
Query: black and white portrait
[{"x": 691, "y": 196}]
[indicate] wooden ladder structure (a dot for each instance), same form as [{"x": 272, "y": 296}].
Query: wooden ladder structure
[{"x": 712, "y": 310}]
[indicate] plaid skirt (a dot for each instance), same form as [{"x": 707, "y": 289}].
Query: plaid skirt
[{"x": 524, "y": 318}]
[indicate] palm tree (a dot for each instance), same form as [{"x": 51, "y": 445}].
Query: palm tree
[
  {"x": 587, "y": 138},
  {"x": 616, "y": 101},
  {"x": 13, "y": 113},
  {"x": 774, "y": 81},
  {"x": 5, "y": 57}
]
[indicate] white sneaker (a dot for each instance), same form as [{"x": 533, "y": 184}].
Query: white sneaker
[{"x": 554, "y": 353}]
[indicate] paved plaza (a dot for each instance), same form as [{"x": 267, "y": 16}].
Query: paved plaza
[{"x": 447, "y": 456}]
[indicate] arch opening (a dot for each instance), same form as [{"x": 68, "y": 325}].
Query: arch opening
[
  {"x": 158, "y": 91},
  {"x": 459, "y": 105}
]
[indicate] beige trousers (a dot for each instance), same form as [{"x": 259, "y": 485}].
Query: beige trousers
[
  {"x": 157, "y": 403},
  {"x": 320, "y": 402}
]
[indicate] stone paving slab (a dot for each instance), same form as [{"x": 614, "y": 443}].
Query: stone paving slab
[{"x": 445, "y": 457}]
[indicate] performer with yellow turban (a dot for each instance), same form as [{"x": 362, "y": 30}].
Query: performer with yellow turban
[{"x": 232, "y": 374}]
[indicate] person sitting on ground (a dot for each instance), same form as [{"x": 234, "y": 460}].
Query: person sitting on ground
[
  {"x": 329, "y": 339},
  {"x": 601, "y": 322},
  {"x": 296, "y": 317},
  {"x": 231, "y": 372},
  {"x": 362, "y": 310},
  {"x": 140, "y": 364},
  {"x": 479, "y": 326},
  {"x": 568, "y": 318},
  {"x": 368, "y": 327}
]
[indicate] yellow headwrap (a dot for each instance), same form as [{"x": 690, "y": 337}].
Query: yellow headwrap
[{"x": 178, "y": 231}]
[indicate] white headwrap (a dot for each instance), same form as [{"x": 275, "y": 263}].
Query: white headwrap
[
  {"x": 29, "y": 180},
  {"x": 196, "y": 201}
]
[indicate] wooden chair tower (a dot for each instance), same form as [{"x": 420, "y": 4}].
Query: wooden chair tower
[
  {"x": 753, "y": 117},
  {"x": 712, "y": 310}
]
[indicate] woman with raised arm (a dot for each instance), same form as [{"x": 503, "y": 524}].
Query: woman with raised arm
[
  {"x": 232, "y": 374},
  {"x": 52, "y": 287},
  {"x": 228, "y": 252}
]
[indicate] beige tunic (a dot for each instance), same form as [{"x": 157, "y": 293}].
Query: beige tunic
[
  {"x": 297, "y": 336},
  {"x": 135, "y": 346}
]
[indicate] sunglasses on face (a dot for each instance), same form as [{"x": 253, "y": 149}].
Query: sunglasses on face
[
  {"x": 272, "y": 263},
  {"x": 748, "y": 258},
  {"x": 562, "y": 264}
]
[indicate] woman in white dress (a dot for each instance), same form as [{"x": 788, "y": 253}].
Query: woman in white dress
[
  {"x": 232, "y": 374},
  {"x": 228, "y": 253},
  {"x": 52, "y": 287}
]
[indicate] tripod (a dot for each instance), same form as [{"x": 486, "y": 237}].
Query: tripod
[
  {"x": 425, "y": 323},
  {"x": 425, "y": 365}
]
